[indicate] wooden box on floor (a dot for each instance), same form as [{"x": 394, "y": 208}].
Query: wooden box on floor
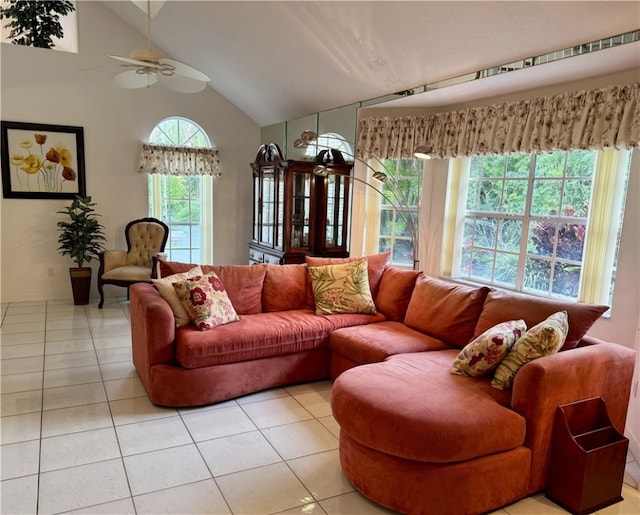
[{"x": 587, "y": 458}]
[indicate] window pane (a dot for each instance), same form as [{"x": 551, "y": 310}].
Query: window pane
[
  {"x": 566, "y": 280},
  {"x": 570, "y": 241},
  {"x": 386, "y": 222},
  {"x": 384, "y": 245},
  {"x": 402, "y": 252},
  {"x": 542, "y": 236},
  {"x": 485, "y": 232},
  {"x": 493, "y": 166},
  {"x": 515, "y": 197},
  {"x": 509, "y": 235},
  {"x": 550, "y": 165},
  {"x": 194, "y": 211},
  {"x": 581, "y": 163},
  {"x": 576, "y": 198},
  {"x": 537, "y": 275},
  {"x": 482, "y": 265},
  {"x": 546, "y": 197},
  {"x": 179, "y": 211},
  {"x": 473, "y": 195},
  {"x": 475, "y": 166},
  {"x": 506, "y": 269},
  {"x": 518, "y": 165},
  {"x": 490, "y": 196}
]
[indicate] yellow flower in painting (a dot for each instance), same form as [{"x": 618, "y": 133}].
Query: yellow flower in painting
[
  {"x": 65, "y": 156},
  {"x": 26, "y": 143},
  {"x": 17, "y": 159},
  {"x": 32, "y": 164},
  {"x": 50, "y": 167},
  {"x": 41, "y": 139}
]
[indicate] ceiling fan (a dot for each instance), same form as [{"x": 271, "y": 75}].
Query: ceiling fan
[{"x": 149, "y": 67}]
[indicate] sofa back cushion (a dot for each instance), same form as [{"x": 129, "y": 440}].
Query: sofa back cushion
[
  {"x": 242, "y": 282},
  {"x": 505, "y": 305},
  {"x": 285, "y": 288},
  {"x": 375, "y": 267},
  {"x": 445, "y": 310},
  {"x": 394, "y": 292}
]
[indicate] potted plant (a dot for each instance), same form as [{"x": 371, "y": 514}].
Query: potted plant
[
  {"x": 81, "y": 238},
  {"x": 33, "y": 22}
]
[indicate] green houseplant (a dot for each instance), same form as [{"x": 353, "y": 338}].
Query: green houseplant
[
  {"x": 81, "y": 238},
  {"x": 35, "y": 23}
]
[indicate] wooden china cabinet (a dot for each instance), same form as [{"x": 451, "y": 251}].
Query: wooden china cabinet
[{"x": 296, "y": 212}]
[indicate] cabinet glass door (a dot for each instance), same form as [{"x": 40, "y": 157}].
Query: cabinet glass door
[
  {"x": 300, "y": 209},
  {"x": 267, "y": 208},
  {"x": 280, "y": 211},
  {"x": 336, "y": 187}
]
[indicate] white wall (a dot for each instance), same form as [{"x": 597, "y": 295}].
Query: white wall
[{"x": 75, "y": 89}]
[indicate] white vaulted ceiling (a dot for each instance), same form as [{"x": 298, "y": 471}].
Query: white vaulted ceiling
[{"x": 280, "y": 60}]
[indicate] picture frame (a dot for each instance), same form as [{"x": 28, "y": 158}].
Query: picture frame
[{"x": 42, "y": 161}]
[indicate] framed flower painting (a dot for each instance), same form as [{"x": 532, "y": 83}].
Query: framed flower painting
[{"x": 42, "y": 161}]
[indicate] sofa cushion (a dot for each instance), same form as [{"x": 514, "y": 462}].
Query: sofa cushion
[
  {"x": 342, "y": 288},
  {"x": 394, "y": 293},
  {"x": 445, "y": 310},
  {"x": 375, "y": 268},
  {"x": 541, "y": 340},
  {"x": 412, "y": 398},
  {"x": 242, "y": 282},
  {"x": 484, "y": 354},
  {"x": 284, "y": 288},
  {"x": 206, "y": 301},
  {"x": 252, "y": 337},
  {"x": 504, "y": 305},
  {"x": 168, "y": 293},
  {"x": 373, "y": 343}
]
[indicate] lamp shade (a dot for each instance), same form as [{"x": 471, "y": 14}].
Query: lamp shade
[{"x": 423, "y": 152}]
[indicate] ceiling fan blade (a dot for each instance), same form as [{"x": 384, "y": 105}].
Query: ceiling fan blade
[
  {"x": 181, "y": 83},
  {"x": 131, "y": 79},
  {"x": 135, "y": 62},
  {"x": 184, "y": 69}
]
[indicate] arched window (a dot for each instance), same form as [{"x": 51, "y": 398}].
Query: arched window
[
  {"x": 330, "y": 140},
  {"x": 183, "y": 202}
]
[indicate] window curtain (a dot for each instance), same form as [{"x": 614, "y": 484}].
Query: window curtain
[
  {"x": 167, "y": 160},
  {"x": 589, "y": 119}
]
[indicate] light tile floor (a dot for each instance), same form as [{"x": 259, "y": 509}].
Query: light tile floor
[{"x": 79, "y": 434}]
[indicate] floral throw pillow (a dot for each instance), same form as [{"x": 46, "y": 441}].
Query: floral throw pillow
[
  {"x": 206, "y": 301},
  {"x": 542, "y": 339},
  {"x": 485, "y": 353},
  {"x": 342, "y": 288}
]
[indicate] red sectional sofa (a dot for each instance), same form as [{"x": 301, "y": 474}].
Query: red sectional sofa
[{"x": 414, "y": 437}]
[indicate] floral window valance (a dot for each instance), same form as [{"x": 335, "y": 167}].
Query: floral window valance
[
  {"x": 590, "y": 119},
  {"x": 167, "y": 160}
]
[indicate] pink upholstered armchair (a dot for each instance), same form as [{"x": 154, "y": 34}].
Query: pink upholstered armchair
[{"x": 146, "y": 237}]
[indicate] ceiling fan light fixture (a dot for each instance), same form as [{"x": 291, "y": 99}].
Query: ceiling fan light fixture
[{"x": 152, "y": 66}]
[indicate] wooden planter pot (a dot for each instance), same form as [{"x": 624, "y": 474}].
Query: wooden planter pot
[{"x": 80, "y": 284}]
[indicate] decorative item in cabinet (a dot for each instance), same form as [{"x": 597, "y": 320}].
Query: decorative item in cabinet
[
  {"x": 296, "y": 212},
  {"x": 588, "y": 457}
]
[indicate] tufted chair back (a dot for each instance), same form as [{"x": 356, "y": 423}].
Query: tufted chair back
[{"x": 145, "y": 238}]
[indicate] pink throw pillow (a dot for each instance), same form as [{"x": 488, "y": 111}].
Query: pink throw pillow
[{"x": 206, "y": 301}]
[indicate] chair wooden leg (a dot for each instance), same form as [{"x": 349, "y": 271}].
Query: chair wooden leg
[{"x": 101, "y": 303}]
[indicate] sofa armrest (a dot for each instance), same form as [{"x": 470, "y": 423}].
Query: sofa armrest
[
  {"x": 153, "y": 329},
  {"x": 598, "y": 369},
  {"x": 110, "y": 259}
]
